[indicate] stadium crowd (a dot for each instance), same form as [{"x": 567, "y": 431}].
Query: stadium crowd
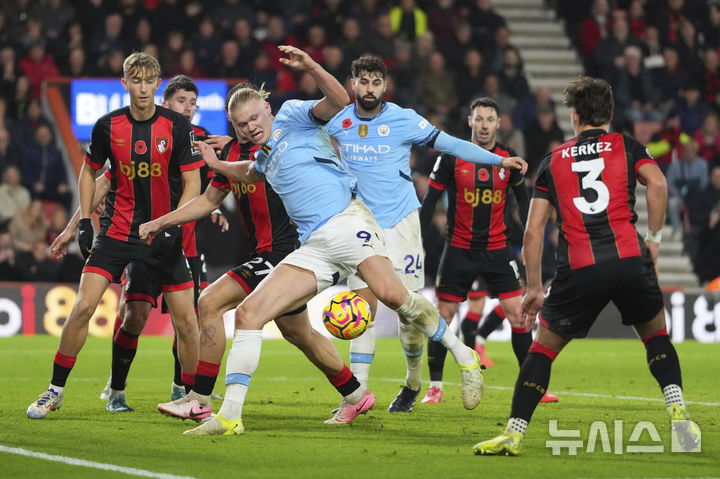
[{"x": 661, "y": 57}]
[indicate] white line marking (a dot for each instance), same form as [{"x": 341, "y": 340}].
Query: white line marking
[{"x": 95, "y": 465}]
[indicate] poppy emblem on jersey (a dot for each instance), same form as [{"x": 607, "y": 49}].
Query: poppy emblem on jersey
[
  {"x": 161, "y": 143},
  {"x": 347, "y": 123},
  {"x": 383, "y": 130},
  {"x": 362, "y": 130},
  {"x": 140, "y": 147},
  {"x": 483, "y": 174}
]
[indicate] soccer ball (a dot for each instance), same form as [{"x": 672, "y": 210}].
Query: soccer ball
[{"x": 347, "y": 315}]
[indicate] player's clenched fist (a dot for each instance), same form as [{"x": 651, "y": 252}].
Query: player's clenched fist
[
  {"x": 147, "y": 231},
  {"x": 514, "y": 163},
  {"x": 85, "y": 236}
]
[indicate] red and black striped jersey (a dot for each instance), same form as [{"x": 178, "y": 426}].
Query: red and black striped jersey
[
  {"x": 476, "y": 199},
  {"x": 590, "y": 180},
  {"x": 147, "y": 159},
  {"x": 267, "y": 224},
  {"x": 190, "y": 231}
]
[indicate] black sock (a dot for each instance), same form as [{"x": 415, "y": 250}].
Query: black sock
[
  {"x": 468, "y": 327},
  {"x": 345, "y": 381},
  {"x": 62, "y": 365},
  {"x": 436, "y": 359},
  {"x": 531, "y": 384},
  {"x": 177, "y": 379},
  {"x": 491, "y": 322},
  {"x": 663, "y": 361},
  {"x": 521, "y": 344},
  {"x": 123, "y": 353}
]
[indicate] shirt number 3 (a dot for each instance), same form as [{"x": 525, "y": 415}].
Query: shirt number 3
[{"x": 592, "y": 181}]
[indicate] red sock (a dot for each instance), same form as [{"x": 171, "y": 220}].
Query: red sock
[
  {"x": 345, "y": 381},
  {"x": 474, "y": 317},
  {"x": 188, "y": 380}
]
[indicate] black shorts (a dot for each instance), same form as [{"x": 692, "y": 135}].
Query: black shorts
[
  {"x": 170, "y": 272},
  {"x": 199, "y": 272},
  {"x": 576, "y": 297},
  {"x": 141, "y": 286},
  {"x": 249, "y": 274},
  {"x": 478, "y": 289},
  {"x": 460, "y": 267}
]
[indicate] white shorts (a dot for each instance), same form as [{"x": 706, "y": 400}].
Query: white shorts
[
  {"x": 404, "y": 246},
  {"x": 334, "y": 251}
]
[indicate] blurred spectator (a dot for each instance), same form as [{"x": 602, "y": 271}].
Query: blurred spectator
[
  {"x": 352, "y": 41},
  {"x": 408, "y": 20},
  {"x": 711, "y": 76},
  {"x": 684, "y": 177},
  {"x": 665, "y": 144},
  {"x": 33, "y": 34},
  {"x": 652, "y": 48},
  {"x": 230, "y": 66},
  {"x": 712, "y": 26},
  {"x": 335, "y": 63},
  {"x": 4, "y": 35},
  {"x": 471, "y": 78},
  {"x": 5, "y": 121},
  {"x": 455, "y": 50},
  {"x": 424, "y": 47},
  {"x": 404, "y": 71},
  {"x": 142, "y": 35},
  {"x": 34, "y": 264},
  {"x": 8, "y": 269},
  {"x": 609, "y": 52},
  {"x": 491, "y": 89},
  {"x": 110, "y": 38},
  {"x": 484, "y": 21},
  {"x": 495, "y": 56},
  {"x": 671, "y": 79},
  {"x": 538, "y": 135},
  {"x": 329, "y": 14},
  {"x": 75, "y": 65},
  {"x": 438, "y": 92},
  {"x": 262, "y": 73},
  {"x": 73, "y": 38},
  {"x": 38, "y": 66},
  {"x": 382, "y": 42},
  {"x": 56, "y": 14},
  {"x": 700, "y": 207},
  {"x": 21, "y": 101},
  {"x": 28, "y": 227},
  {"x": 206, "y": 43},
  {"x": 510, "y": 136},
  {"x": 635, "y": 95},
  {"x": 593, "y": 30},
  {"x": 443, "y": 19},
  {"x": 187, "y": 66},
  {"x": 8, "y": 71},
  {"x": 14, "y": 197},
  {"x": 636, "y": 19},
  {"x": 689, "y": 49},
  {"x": 249, "y": 46},
  {"x": 365, "y": 12},
  {"x": 18, "y": 13},
  {"x": 43, "y": 169},
  {"x": 277, "y": 36},
  {"x": 58, "y": 220},
  {"x": 512, "y": 78},
  {"x": 307, "y": 88},
  {"x": 111, "y": 64},
  {"x": 230, "y": 11},
  {"x": 8, "y": 155},
  {"x": 316, "y": 43},
  {"x": 170, "y": 52},
  {"x": 25, "y": 128},
  {"x": 708, "y": 138},
  {"x": 691, "y": 109}
]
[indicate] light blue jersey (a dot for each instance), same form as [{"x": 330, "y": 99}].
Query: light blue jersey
[
  {"x": 303, "y": 169},
  {"x": 377, "y": 152}
]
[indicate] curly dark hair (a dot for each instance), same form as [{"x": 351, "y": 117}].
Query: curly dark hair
[
  {"x": 591, "y": 98},
  {"x": 369, "y": 64}
]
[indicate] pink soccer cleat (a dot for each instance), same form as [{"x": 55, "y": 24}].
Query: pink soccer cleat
[
  {"x": 191, "y": 406},
  {"x": 347, "y": 412},
  {"x": 484, "y": 359},
  {"x": 547, "y": 397},
  {"x": 433, "y": 396}
]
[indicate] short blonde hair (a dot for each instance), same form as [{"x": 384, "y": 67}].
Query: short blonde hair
[
  {"x": 140, "y": 64},
  {"x": 245, "y": 93}
]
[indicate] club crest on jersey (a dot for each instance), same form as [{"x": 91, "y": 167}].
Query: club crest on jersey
[
  {"x": 362, "y": 130},
  {"x": 483, "y": 174},
  {"x": 140, "y": 147},
  {"x": 347, "y": 123},
  {"x": 276, "y": 134},
  {"x": 383, "y": 130},
  {"x": 501, "y": 173},
  {"x": 161, "y": 144}
]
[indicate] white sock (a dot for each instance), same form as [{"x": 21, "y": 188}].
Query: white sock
[
  {"x": 516, "y": 426},
  {"x": 362, "y": 353},
  {"x": 115, "y": 392},
  {"x": 436, "y": 384},
  {"x": 242, "y": 362},
  {"x": 412, "y": 342},
  {"x": 355, "y": 396},
  {"x": 59, "y": 390},
  {"x": 479, "y": 340},
  {"x": 423, "y": 315},
  {"x": 673, "y": 395}
]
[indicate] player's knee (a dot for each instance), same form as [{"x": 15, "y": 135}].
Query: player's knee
[
  {"x": 83, "y": 310},
  {"x": 206, "y": 304},
  {"x": 247, "y": 318}
]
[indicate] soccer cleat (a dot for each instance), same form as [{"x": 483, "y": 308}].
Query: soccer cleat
[
  {"x": 433, "y": 396},
  {"x": 105, "y": 394},
  {"x": 547, "y": 397},
  {"x": 117, "y": 403},
  {"x": 473, "y": 384},
  {"x": 217, "y": 426},
  {"x": 176, "y": 392},
  {"x": 404, "y": 401},
  {"x": 191, "y": 406},
  {"x": 502, "y": 445},
  {"x": 348, "y": 412},
  {"x": 686, "y": 435},
  {"x": 482, "y": 353},
  {"x": 48, "y": 401}
]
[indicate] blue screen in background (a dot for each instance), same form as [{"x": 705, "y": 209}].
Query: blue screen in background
[{"x": 91, "y": 99}]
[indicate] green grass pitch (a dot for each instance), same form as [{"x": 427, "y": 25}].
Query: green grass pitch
[{"x": 289, "y": 399}]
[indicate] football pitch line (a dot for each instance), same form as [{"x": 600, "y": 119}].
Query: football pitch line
[{"x": 91, "y": 464}]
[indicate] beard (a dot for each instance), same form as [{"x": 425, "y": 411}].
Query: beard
[{"x": 367, "y": 104}]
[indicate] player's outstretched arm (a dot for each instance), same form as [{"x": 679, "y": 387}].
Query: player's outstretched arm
[
  {"x": 540, "y": 211},
  {"x": 196, "y": 208},
  {"x": 474, "y": 154},
  {"x": 657, "y": 193},
  {"x": 58, "y": 248},
  {"x": 335, "y": 99}
]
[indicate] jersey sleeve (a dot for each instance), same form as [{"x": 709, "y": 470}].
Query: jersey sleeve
[
  {"x": 98, "y": 149},
  {"x": 219, "y": 180},
  {"x": 639, "y": 155},
  {"x": 299, "y": 112},
  {"x": 440, "y": 176},
  {"x": 415, "y": 128},
  {"x": 189, "y": 157},
  {"x": 543, "y": 181}
]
